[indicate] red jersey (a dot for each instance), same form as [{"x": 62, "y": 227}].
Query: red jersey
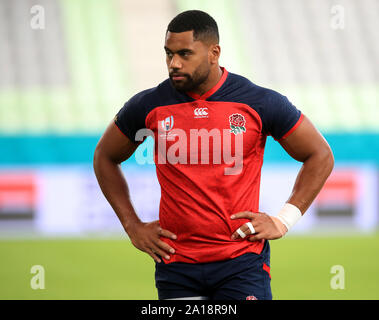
[{"x": 208, "y": 155}]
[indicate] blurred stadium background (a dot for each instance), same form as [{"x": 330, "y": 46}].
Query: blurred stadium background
[{"x": 67, "y": 67}]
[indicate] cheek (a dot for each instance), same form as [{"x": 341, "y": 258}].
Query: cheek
[{"x": 205, "y": 66}]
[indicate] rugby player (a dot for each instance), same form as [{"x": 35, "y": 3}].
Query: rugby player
[{"x": 211, "y": 241}]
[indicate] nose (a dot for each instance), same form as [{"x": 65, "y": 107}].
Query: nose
[{"x": 175, "y": 62}]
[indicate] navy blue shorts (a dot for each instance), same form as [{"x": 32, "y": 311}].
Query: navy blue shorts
[{"x": 246, "y": 277}]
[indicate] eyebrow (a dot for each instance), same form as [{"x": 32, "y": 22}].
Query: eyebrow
[{"x": 179, "y": 51}]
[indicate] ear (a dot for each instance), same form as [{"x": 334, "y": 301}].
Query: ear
[{"x": 214, "y": 53}]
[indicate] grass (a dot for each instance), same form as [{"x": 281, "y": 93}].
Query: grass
[
  {"x": 114, "y": 269},
  {"x": 301, "y": 267}
]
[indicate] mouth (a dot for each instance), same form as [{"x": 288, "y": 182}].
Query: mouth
[{"x": 177, "y": 77}]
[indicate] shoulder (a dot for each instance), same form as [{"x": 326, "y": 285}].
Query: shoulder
[
  {"x": 277, "y": 113},
  {"x": 151, "y": 97},
  {"x": 269, "y": 95},
  {"x": 238, "y": 88},
  {"x": 162, "y": 95},
  {"x": 273, "y": 98},
  {"x": 131, "y": 117},
  {"x": 251, "y": 93}
]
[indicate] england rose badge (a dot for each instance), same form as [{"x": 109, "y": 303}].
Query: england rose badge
[{"x": 237, "y": 123}]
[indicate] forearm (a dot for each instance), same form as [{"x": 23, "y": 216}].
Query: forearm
[
  {"x": 115, "y": 189},
  {"x": 310, "y": 179}
]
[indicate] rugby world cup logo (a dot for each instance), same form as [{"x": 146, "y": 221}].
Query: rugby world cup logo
[
  {"x": 237, "y": 123},
  {"x": 168, "y": 123}
]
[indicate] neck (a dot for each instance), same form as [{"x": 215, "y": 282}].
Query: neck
[{"x": 213, "y": 78}]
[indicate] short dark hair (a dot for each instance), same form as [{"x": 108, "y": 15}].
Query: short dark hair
[{"x": 204, "y": 27}]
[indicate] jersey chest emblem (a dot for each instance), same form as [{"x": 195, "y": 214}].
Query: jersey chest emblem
[
  {"x": 167, "y": 124},
  {"x": 200, "y": 113},
  {"x": 237, "y": 123}
]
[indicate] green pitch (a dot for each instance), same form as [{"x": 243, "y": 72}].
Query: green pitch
[{"x": 114, "y": 269}]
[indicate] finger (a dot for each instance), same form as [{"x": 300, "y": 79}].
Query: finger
[
  {"x": 153, "y": 255},
  {"x": 243, "y": 215},
  {"x": 242, "y": 232},
  {"x": 239, "y": 233},
  {"x": 164, "y": 246},
  {"x": 160, "y": 252},
  {"x": 167, "y": 234},
  {"x": 256, "y": 237},
  {"x": 251, "y": 227}
]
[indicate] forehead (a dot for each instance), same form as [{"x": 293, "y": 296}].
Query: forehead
[{"x": 177, "y": 41}]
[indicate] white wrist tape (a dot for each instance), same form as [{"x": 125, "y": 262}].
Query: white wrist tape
[{"x": 289, "y": 215}]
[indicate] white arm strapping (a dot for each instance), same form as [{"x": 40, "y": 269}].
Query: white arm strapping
[{"x": 289, "y": 215}]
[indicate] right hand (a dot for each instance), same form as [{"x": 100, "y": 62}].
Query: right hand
[{"x": 146, "y": 237}]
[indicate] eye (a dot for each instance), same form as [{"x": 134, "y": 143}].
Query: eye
[
  {"x": 169, "y": 54},
  {"x": 185, "y": 53}
]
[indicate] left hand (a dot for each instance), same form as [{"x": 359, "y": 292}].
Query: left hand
[{"x": 266, "y": 227}]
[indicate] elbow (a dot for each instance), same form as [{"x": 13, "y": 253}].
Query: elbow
[
  {"x": 326, "y": 159},
  {"x": 322, "y": 159}
]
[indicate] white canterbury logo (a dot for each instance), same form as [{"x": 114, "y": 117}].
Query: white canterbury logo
[{"x": 201, "y": 112}]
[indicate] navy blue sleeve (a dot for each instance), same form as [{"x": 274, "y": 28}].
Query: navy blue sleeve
[
  {"x": 131, "y": 117},
  {"x": 279, "y": 116}
]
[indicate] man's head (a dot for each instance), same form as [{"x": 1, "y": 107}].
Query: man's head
[{"x": 192, "y": 49}]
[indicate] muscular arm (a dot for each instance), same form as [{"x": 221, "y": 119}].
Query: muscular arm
[
  {"x": 307, "y": 145},
  {"x": 114, "y": 148}
]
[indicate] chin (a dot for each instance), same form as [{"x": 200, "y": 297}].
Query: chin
[{"x": 180, "y": 86}]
